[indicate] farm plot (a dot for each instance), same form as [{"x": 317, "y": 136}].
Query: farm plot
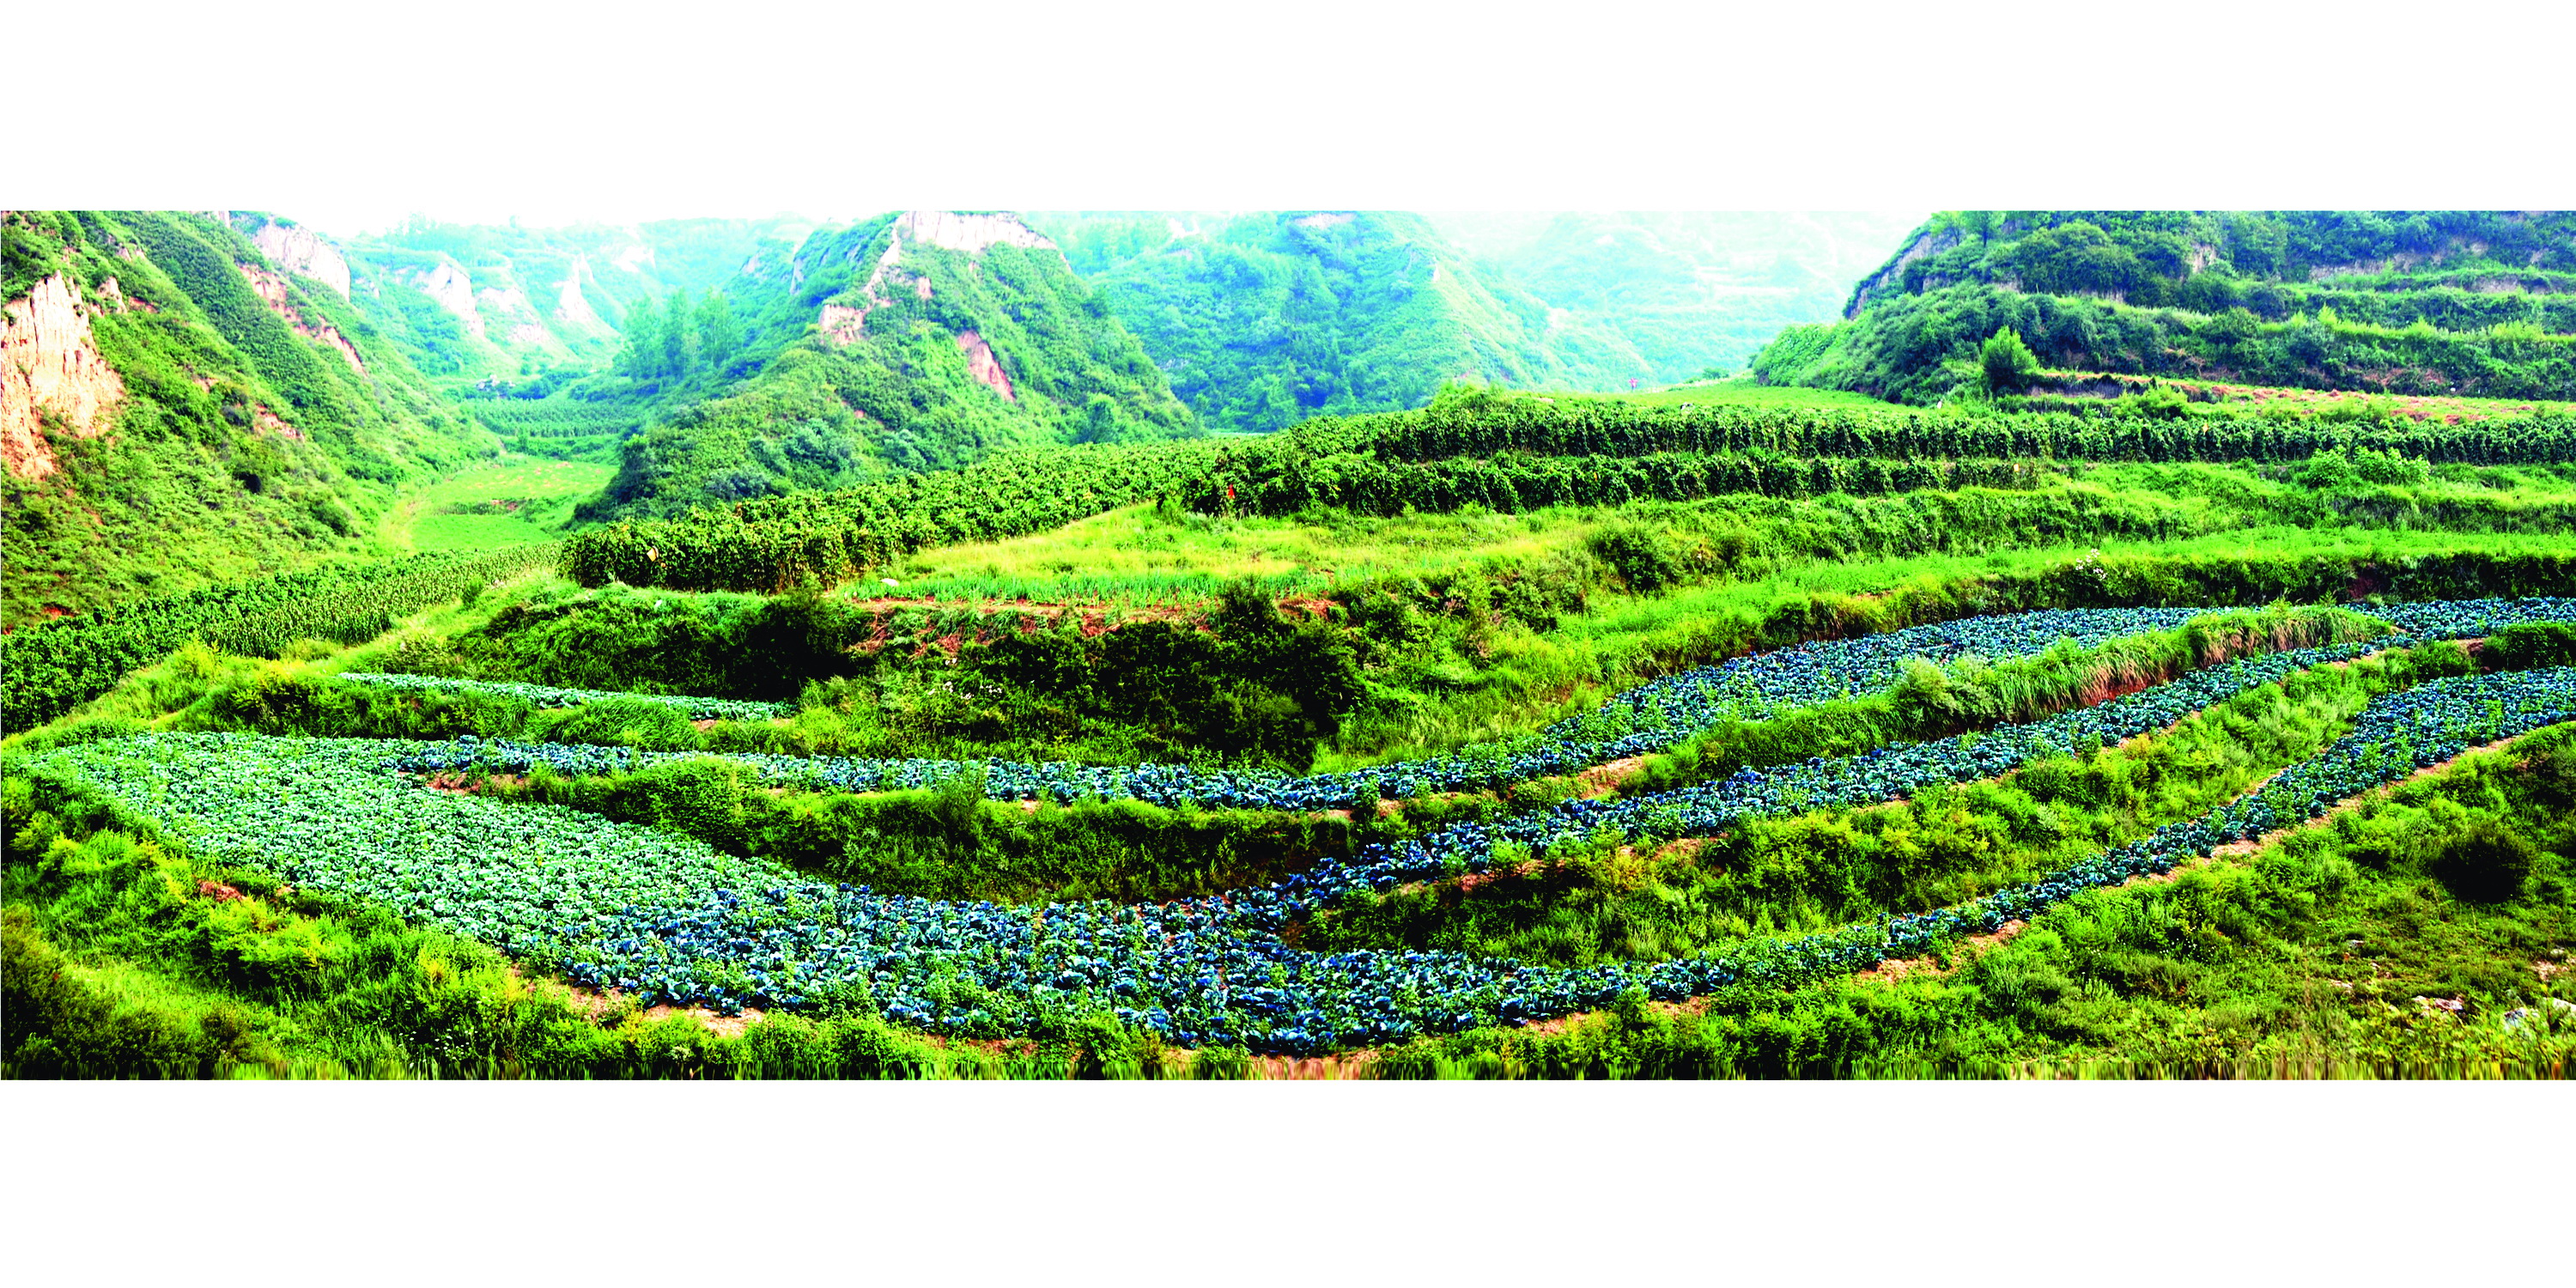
[
  {"x": 1652, "y": 717},
  {"x": 668, "y": 918}
]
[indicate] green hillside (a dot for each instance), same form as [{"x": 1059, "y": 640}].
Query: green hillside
[
  {"x": 525, "y": 329},
  {"x": 903, "y": 684},
  {"x": 183, "y": 410},
  {"x": 1262, "y": 319},
  {"x": 1690, "y": 290},
  {"x": 909, "y": 342},
  {"x": 484, "y": 300},
  {"x": 2473, "y": 303}
]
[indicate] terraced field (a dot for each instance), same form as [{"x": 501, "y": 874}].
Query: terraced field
[
  {"x": 672, "y": 920},
  {"x": 1641, "y": 787}
]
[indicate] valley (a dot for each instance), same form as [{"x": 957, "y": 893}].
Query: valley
[{"x": 1185, "y": 644}]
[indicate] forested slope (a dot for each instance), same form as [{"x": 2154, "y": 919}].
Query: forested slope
[
  {"x": 2428, "y": 302},
  {"x": 917, "y": 341},
  {"x": 1265, "y": 318},
  {"x": 480, "y": 300},
  {"x": 181, "y": 408},
  {"x": 1689, "y": 290}
]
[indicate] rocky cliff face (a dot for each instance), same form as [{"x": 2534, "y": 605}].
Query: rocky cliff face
[
  {"x": 969, "y": 233},
  {"x": 572, "y": 308},
  {"x": 271, "y": 290},
  {"x": 509, "y": 309},
  {"x": 454, "y": 292},
  {"x": 966, "y": 234},
  {"x": 1891, "y": 279},
  {"x": 980, "y": 364},
  {"x": 843, "y": 324},
  {"x": 303, "y": 252},
  {"x": 49, "y": 360}
]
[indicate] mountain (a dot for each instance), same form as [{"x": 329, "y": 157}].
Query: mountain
[
  {"x": 1690, "y": 290},
  {"x": 913, "y": 341},
  {"x": 2479, "y": 303},
  {"x": 480, "y": 301},
  {"x": 1262, "y": 319},
  {"x": 181, "y": 403}
]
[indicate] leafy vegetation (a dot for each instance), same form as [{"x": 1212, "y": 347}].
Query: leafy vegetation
[
  {"x": 1518, "y": 453},
  {"x": 1271, "y": 317},
  {"x": 244, "y": 434},
  {"x": 925, "y": 357},
  {"x": 1727, "y": 728},
  {"x": 645, "y": 912},
  {"x": 57, "y": 664},
  {"x": 2430, "y": 302}
]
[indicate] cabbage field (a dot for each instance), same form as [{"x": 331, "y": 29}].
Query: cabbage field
[
  {"x": 665, "y": 917},
  {"x": 1384, "y": 738},
  {"x": 1651, "y": 717}
]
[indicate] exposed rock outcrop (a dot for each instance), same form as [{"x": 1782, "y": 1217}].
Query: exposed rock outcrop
[
  {"x": 271, "y": 289},
  {"x": 262, "y": 418},
  {"x": 454, "y": 292},
  {"x": 1891, "y": 279},
  {"x": 49, "y": 360},
  {"x": 980, "y": 364},
  {"x": 508, "y": 308},
  {"x": 303, "y": 252},
  {"x": 947, "y": 230},
  {"x": 843, "y": 324},
  {"x": 116, "y": 298},
  {"x": 572, "y": 308},
  {"x": 969, "y": 233}
]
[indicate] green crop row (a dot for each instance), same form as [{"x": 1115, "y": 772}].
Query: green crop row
[
  {"x": 1488, "y": 424},
  {"x": 1504, "y": 453},
  {"x": 56, "y": 665}
]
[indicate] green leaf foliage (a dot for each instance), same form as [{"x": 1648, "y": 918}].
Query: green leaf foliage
[{"x": 2406, "y": 302}]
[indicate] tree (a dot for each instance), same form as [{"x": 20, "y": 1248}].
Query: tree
[
  {"x": 675, "y": 336},
  {"x": 1100, "y": 420},
  {"x": 2009, "y": 365},
  {"x": 719, "y": 335},
  {"x": 640, "y": 353}
]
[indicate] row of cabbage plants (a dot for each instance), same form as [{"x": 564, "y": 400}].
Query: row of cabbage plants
[
  {"x": 667, "y": 918},
  {"x": 1649, "y": 718},
  {"x": 545, "y": 695}
]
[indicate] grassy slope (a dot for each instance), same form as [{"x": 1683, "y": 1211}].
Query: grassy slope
[
  {"x": 823, "y": 412},
  {"x": 2308, "y": 957},
  {"x": 516, "y": 500},
  {"x": 1271, "y": 316},
  {"x": 1140, "y": 554},
  {"x": 2135, "y": 977},
  {"x": 2445, "y": 302},
  {"x": 1688, "y": 289},
  {"x": 189, "y": 485}
]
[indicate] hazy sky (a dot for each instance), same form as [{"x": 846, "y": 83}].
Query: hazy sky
[{"x": 350, "y": 117}]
